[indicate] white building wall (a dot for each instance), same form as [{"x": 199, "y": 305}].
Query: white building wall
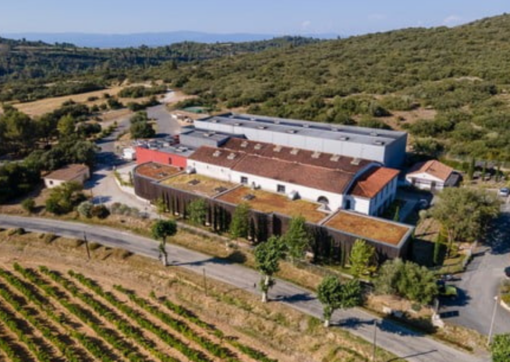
[
  {"x": 377, "y": 204},
  {"x": 306, "y": 193},
  {"x": 424, "y": 181},
  {"x": 217, "y": 172}
]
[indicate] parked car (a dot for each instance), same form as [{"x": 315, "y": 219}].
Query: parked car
[
  {"x": 447, "y": 290},
  {"x": 507, "y": 272},
  {"x": 504, "y": 192}
]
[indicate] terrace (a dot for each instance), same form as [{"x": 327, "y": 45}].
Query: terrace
[
  {"x": 156, "y": 171},
  {"x": 268, "y": 202},
  {"x": 368, "y": 227},
  {"x": 198, "y": 184}
]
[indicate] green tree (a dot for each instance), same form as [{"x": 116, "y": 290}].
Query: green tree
[
  {"x": 362, "y": 258},
  {"x": 17, "y": 131},
  {"x": 297, "y": 238},
  {"x": 197, "y": 211},
  {"x": 85, "y": 209},
  {"x": 240, "y": 225},
  {"x": 407, "y": 280},
  {"x": 64, "y": 198},
  {"x": 465, "y": 213},
  {"x": 161, "y": 206},
  {"x": 267, "y": 259},
  {"x": 161, "y": 230},
  {"x": 66, "y": 126},
  {"x": 28, "y": 205},
  {"x": 334, "y": 295},
  {"x": 471, "y": 169},
  {"x": 142, "y": 130},
  {"x": 500, "y": 348}
]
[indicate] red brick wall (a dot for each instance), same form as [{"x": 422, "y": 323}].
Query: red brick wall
[{"x": 144, "y": 155}]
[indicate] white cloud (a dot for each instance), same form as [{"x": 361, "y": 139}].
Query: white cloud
[
  {"x": 452, "y": 20},
  {"x": 306, "y": 24}
]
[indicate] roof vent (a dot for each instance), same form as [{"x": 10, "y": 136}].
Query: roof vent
[
  {"x": 253, "y": 119},
  {"x": 238, "y": 124},
  {"x": 335, "y": 158},
  {"x": 344, "y": 138},
  {"x": 248, "y": 197},
  {"x": 209, "y": 134},
  {"x": 355, "y": 161},
  {"x": 262, "y": 127},
  {"x": 231, "y": 116},
  {"x": 374, "y": 134},
  {"x": 258, "y": 146},
  {"x": 216, "y": 154},
  {"x": 316, "y": 155},
  {"x": 294, "y": 151},
  {"x": 214, "y": 120},
  {"x": 231, "y": 156},
  {"x": 277, "y": 148},
  {"x": 244, "y": 144},
  {"x": 379, "y": 143},
  {"x": 306, "y": 125},
  {"x": 292, "y": 131}
]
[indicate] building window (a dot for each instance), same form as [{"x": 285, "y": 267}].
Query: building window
[
  {"x": 280, "y": 189},
  {"x": 244, "y": 180}
]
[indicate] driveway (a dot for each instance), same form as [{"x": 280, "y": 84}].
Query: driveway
[
  {"x": 479, "y": 284},
  {"x": 404, "y": 343}
]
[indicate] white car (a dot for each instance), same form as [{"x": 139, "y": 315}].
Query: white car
[{"x": 505, "y": 191}]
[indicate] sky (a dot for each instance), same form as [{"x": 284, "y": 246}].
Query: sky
[{"x": 279, "y": 17}]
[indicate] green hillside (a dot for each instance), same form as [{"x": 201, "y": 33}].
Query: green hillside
[
  {"x": 25, "y": 66},
  {"x": 461, "y": 72}
]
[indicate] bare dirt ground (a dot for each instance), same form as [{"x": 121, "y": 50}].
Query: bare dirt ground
[{"x": 281, "y": 333}]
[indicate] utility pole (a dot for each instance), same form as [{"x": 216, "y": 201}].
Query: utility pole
[
  {"x": 375, "y": 340},
  {"x": 205, "y": 282},
  {"x": 489, "y": 340},
  {"x": 86, "y": 244}
]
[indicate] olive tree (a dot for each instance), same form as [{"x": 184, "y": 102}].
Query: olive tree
[
  {"x": 162, "y": 229},
  {"x": 333, "y": 294},
  {"x": 267, "y": 258}
]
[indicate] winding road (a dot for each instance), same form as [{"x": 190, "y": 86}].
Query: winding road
[{"x": 404, "y": 343}]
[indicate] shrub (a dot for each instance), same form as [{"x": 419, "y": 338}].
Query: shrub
[
  {"x": 100, "y": 211},
  {"x": 85, "y": 209},
  {"x": 28, "y": 205}
]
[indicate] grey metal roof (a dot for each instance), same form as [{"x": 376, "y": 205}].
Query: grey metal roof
[
  {"x": 198, "y": 133},
  {"x": 355, "y": 134}
]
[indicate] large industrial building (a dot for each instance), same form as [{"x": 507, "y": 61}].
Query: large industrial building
[
  {"x": 383, "y": 146},
  {"x": 337, "y": 167}
]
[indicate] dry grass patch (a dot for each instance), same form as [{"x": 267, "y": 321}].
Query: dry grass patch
[
  {"x": 269, "y": 202},
  {"x": 198, "y": 184},
  {"x": 367, "y": 227},
  {"x": 156, "y": 171}
]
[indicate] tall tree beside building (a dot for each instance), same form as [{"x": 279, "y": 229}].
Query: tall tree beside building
[
  {"x": 267, "y": 258},
  {"x": 297, "y": 238},
  {"x": 334, "y": 295},
  {"x": 197, "y": 211},
  {"x": 362, "y": 258},
  {"x": 240, "y": 225}
]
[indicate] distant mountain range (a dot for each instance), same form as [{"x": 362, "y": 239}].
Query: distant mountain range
[{"x": 148, "y": 39}]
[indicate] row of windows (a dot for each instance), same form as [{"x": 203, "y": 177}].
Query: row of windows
[{"x": 279, "y": 188}]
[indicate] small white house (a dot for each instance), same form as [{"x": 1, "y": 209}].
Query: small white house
[
  {"x": 431, "y": 175},
  {"x": 70, "y": 173},
  {"x": 129, "y": 154}
]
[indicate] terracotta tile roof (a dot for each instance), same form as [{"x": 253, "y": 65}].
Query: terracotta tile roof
[
  {"x": 216, "y": 156},
  {"x": 67, "y": 173},
  {"x": 373, "y": 181},
  {"x": 306, "y": 157},
  {"x": 433, "y": 168},
  {"x": 319, "y": 178}
]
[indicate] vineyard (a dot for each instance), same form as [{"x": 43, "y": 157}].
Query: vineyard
[{"x": 49, "y": 316}]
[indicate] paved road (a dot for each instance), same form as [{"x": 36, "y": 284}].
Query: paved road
[
  {"x": 480, "y": 282},
  {"x": 402, "y": 342},
  {"x": 166, "y": 125}
]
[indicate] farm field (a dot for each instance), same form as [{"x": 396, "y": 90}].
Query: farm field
[{"x": 121, "y": 307}]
